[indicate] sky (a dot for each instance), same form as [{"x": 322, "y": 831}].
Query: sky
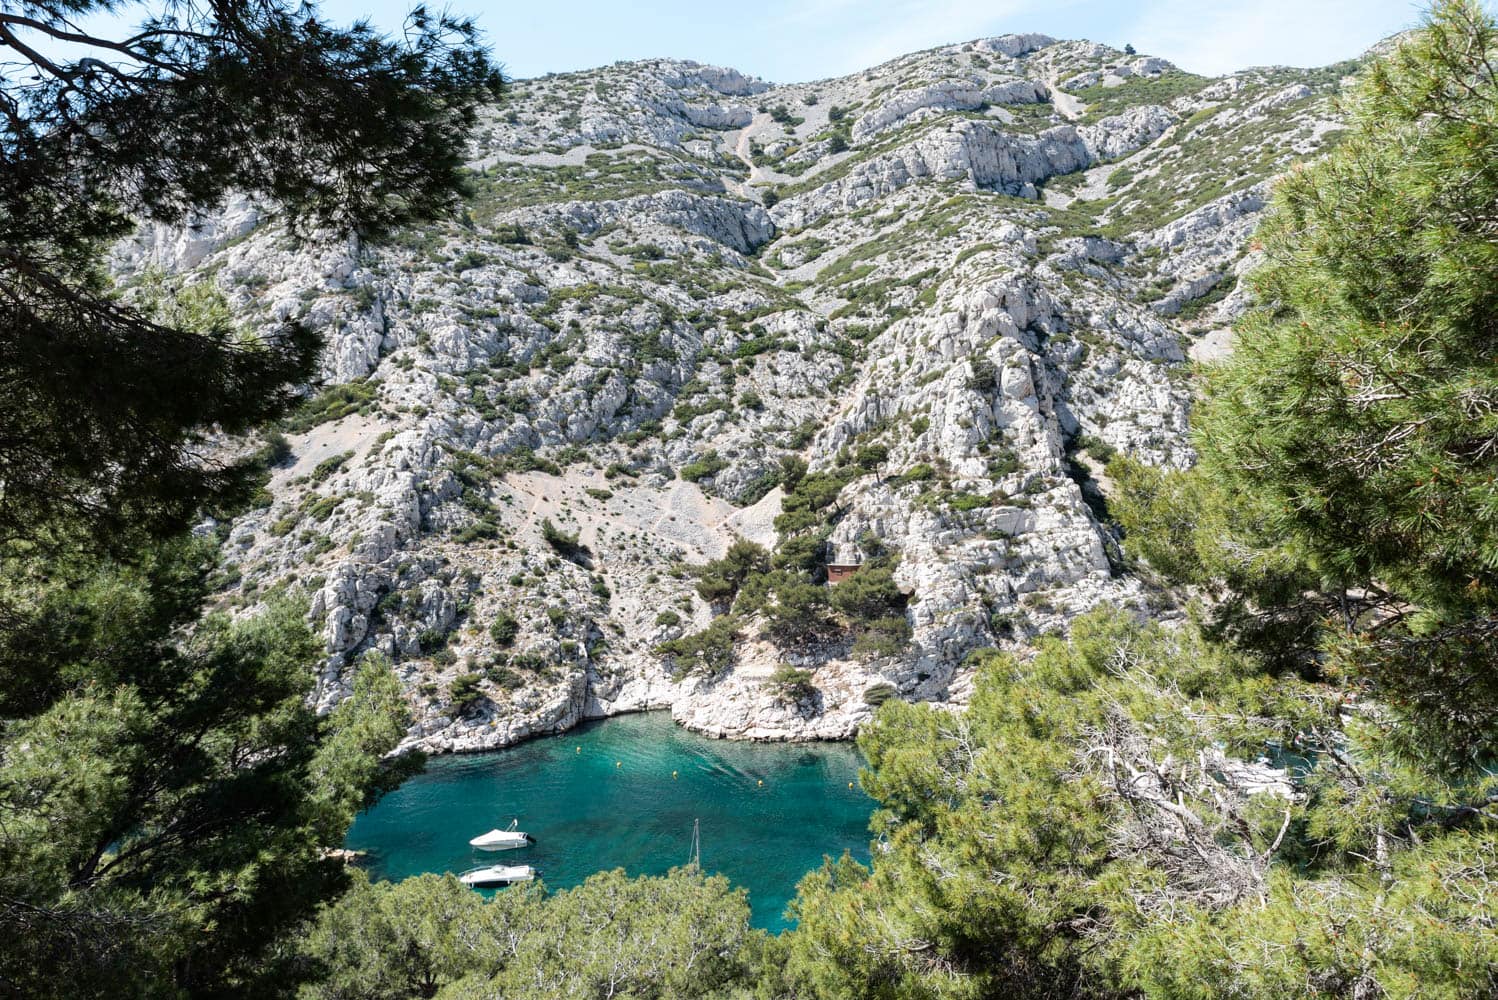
[{"x": 792, "y": 41}]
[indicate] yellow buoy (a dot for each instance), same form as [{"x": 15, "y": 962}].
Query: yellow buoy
[
  {"x": 761, "y": 784},
  {"x": 618, "y": 763},
  {"x": 673, "y": 775},
  {"x": 850, "y": 784},
  {"x": 579, "y": 749}
]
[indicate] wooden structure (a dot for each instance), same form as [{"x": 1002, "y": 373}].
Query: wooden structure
[{"x": 838, "y": 572}]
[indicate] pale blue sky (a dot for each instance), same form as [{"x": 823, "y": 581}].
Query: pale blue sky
[{"x": 791, "y": 41}]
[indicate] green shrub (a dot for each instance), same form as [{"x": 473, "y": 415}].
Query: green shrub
[
  {"x": 720, "y": 580},
  {"x": 984, "y": 376},
  {"x": 709, "y": 651},
  {"x": 1097, "y": 449},
  {"x": 870, "y": 592},
  {"x": 1002, "y": 462},
  {"x": 963, "y": 501},
  {"x": 798, "y": 613},
  {"x": 275, "y": 452},
  {"x": 504, "y": 677},
  {"x": 792, "y": 683},
  {"x": 330, "y": 465},
  {"x": 566, "y": 545},
  {"x": 882, "y": 637},
  {"x": 477, "y": 530},
  {"x": 333, "y": 403},
  {"x": 871, "y": 456},
  {"x": 465, "y": 692},
  {"x": 708, "y": 465},
  {"x": 504, "y": 628}
]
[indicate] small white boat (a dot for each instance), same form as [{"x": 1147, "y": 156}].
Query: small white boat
[
  {"x": 497, "y": 875},
  {"x": 502, "y": 840}
]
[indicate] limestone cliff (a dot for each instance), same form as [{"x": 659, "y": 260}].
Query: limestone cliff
[{"x": 992, "y": 259}]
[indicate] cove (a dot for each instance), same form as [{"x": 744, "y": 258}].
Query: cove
[{"x": 602, "y": 796}]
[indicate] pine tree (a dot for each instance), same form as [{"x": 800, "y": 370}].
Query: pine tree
[
  {"x": 337, "y": 128},
  {"x": 167, "y": 795},
  {"x": 1345, "y": 502}
]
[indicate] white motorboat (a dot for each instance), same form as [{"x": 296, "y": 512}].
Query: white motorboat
[
  {"x": 502, "y": 840},
  {"x": 491, "y": 875}
]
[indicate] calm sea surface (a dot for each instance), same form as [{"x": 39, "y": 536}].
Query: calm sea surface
[{"x": 604, "y": 796}]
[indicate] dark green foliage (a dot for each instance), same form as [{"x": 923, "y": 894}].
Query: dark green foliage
[
  {"x": 566, "y": 545},
  {"x": 963, "y": 500},
  {"x": 140, "y": 725},
  {"x": 330, "y": 465},
  {"x": 1002, "y": 461},
  {"x": 465, "y": 692},
  {"x": 679, "y": 936},
  {"x": 479, "y": 530},
  {"x": 394, "y": 941},
  {"x": 798, "y": 612},
  {"x": 276, "y": 451},
  {"x": 1097, "y": 449},
  {"x": 805, "y": 552},
  {"x": 333, "y": 403},
  {"x": 719, "y": 580},
  {"x": 504, "y": 677},
  {"x": 815, "y": 491},
  {"x": 709, "y": 464},
  {"x": 109, "y": 398},
  {"x": 881, "y": 637},
  {"x": 1103, "y": 100},
  {"x": 919, "y": 473},
  {"x": 526, "y": 460},
  {"x": 1344, "y": 494},
  {"x": 781, "y": 114},
  {"x": 870, "y": 592},
  {"x": 167, "y": 792},
  {"x": 792, "y": 683},
  {"x": 758, "y": 489},
  {"x": 1220, "y": 894},
  {"x": 871, "y": 456},
  {"x": 513, "y": 234},
  {"x": 792, "y": 471},
  {"x": 504, "y": 628},
  {"x": 985, "y": 375},
  {"x": 709, "y": 652}
]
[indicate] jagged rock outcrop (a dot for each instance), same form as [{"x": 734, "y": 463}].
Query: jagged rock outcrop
[{"x": 955, "y": 282}]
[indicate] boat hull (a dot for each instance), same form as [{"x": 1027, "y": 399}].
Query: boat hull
[
  {"x": 498, "y": 875},
  {"x": 501, "y": 840}
]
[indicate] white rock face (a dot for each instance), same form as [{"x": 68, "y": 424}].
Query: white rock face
[
  {"x": 949, "y": 95},
  {"x": 967, "y": 288}
]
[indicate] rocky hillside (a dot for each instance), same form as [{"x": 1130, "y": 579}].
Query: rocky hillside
[{"x": 952, "y": 285}]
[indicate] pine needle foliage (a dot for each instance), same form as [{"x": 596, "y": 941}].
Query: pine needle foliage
[{"x": 1347, "y": 494}]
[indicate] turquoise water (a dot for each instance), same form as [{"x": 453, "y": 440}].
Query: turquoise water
[{"x": 588, "y": 815}]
